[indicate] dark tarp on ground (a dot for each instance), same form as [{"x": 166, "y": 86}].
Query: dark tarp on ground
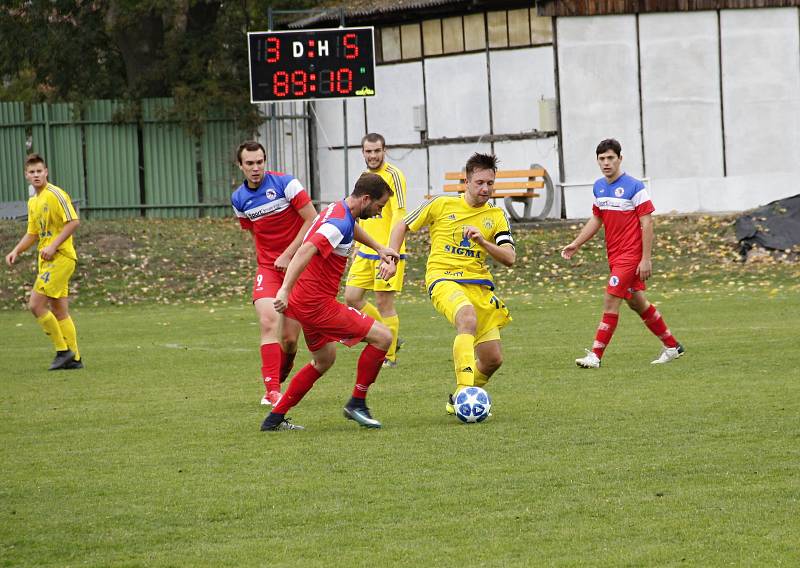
[{"x": 773, "y": 226}]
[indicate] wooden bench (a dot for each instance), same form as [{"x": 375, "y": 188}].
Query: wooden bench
[{"x": 513, "y": 186}]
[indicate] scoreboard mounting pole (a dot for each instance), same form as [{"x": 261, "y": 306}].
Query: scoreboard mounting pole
[{"x": 332, "y": 63}]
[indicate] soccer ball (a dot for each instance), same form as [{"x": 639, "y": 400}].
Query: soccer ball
[{"x": 472, "y": 404}]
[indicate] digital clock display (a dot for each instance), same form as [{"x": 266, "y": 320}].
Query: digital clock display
[{"x": 311, "y": 64}]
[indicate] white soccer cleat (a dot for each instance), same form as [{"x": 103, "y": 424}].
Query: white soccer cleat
[
  {"x": 591, "y": 361},
  {"x": 271, "y": 398},
  {"x": 668, "y": 354}
]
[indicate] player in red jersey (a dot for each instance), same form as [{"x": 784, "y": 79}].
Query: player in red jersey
[
  {"x": 276, "y": 209},
  {"x": 622, "y": 204},
  {"x": 308, "y": 296}
]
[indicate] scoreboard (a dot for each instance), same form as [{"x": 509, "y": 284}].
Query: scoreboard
[{"x": 311, "y": 64}]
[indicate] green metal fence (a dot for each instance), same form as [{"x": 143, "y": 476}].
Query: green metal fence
[{"x": 115, "y": 169}]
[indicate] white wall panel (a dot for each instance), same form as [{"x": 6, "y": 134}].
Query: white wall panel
[
  {"x": 330, "y": 115},
  {"x": 761, "y": 90},
  {"x": 458, "y": 96},
  {"x": 331, "y": 172},
  {"x": 520, "y": 154},
  {"x": 598, "y": 68},
  {"x": 520, "y": 78},
  {"x": 390, "y": 112},
  {"x": 451, "y": 158},
  {"x": 414, "y": 165},
  {"x": 681, "y": 112}
]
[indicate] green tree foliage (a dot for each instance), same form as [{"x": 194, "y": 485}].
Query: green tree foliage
[{"x": 192, "y": 50}]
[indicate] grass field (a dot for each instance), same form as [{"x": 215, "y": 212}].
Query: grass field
[{"x": 152, "y": 456}]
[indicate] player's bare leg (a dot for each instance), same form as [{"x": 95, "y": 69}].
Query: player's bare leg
[
  {"x": 378, "y": 339},
  {"x": 489, "y": 358}
]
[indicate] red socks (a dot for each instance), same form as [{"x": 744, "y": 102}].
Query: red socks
[
  {"x": 655, "y": 323},
  {"x": 605, "y": 331},
  {"x": 300, "y": 384},
  {"x": 271, "y": 357},
  {"x": 369, "y": 365}
]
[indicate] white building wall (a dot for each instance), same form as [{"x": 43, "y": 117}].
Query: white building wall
[
  {"x": 520, "y": 78},
  {"x": 599, "y": 85},
  {"x": 761, "y": 86},
  {"x": 681, "y": 113},
  {"x": 392, "y": 112},
  {"x": 458, "y": 96}
]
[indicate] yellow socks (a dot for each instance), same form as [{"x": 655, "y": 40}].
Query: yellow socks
[
  {"x": 464, "y": 360},
  {"x": 70, "y": 336},
  {"x": 371, "y": 311},
  {"x": 480, "y": 378},
  {"x": 393, "y": 323},
  {"x": 49, "y": 324}
]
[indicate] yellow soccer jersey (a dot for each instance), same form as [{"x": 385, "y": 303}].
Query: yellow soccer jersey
[
  {"x": 380, "y": 226},
  {"x": 452, "y": 256},
  {"x": 48, "y": 212}
]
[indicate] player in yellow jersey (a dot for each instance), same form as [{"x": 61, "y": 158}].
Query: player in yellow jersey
[
  {"x": 466, "y": 231},
  {"x": 51, "y": 221},
  {"x": 363, "y": 273}
]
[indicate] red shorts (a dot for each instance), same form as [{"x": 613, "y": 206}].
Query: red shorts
[
  {"x": 624, "y": 280},
  {"x": 329, "y": 321},
  {"x": 266, "y": 283}
]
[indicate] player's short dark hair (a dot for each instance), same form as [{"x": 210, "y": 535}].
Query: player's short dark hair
[
  {"x": 373, "y": 185},
  {"x": 34, "y": 158},
  {"x": 373, "y": 137},
  {"x": 250, "y": 146},
  {"x": 479, "y": 161},
  {"x": 609, "y": 144}
]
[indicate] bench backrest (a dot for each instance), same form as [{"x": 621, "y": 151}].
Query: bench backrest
[{"x": 524, "y": 184}]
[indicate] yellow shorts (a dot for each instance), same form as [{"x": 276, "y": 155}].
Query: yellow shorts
[
  {"x": 448, "y": 297},
  {"x": 53, "y": 278},
  {"x": 364, "y": 274}
]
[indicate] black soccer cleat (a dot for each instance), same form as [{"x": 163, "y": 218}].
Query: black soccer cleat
[
  {"x": 74, "y": 364},
  {"x": 62, "y": 359},
  {"x": 361, "y": 415},
  {"x": 275, "y": 422}
]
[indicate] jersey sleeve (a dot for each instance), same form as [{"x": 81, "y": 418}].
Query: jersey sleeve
[
  {"x": 64, "y": 209},
  {"x": 32, "y": 228},
  {"x": 244, "y": 222},
  {"x": 641, "y": 200},
  {"x": 296, "y": 194},
  {"x": 502, "y": 235},
  {"x": 422, "y": 215},
  {"x": 327, "y": 237}
]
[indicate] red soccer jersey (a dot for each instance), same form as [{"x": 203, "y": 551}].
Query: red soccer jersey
[
  {"x": 332, "y": 234},
  {"x": 620, "y": 204},
  {"x": 270, "y": 212}
]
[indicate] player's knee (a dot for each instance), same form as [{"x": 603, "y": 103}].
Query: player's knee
[
  {"x": 381, "y": 336},
  {"x": 322, "y": 364},
  {"x": 466, "y": 320},
  {"x": 289, "y": 345},
  {"x": 353, "y": 297}
]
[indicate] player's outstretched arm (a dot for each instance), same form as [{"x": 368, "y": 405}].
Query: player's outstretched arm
[
  {"x": 388, "y": 269},
  {"x": 589, "y": 229},
  {"x": 308, "y": 213},
  {"x": 299, "y": 262},
  {"x": 26, "y": 242}
]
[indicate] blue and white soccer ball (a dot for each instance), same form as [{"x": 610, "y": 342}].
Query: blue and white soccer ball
[{"x": 472, "y": 404}]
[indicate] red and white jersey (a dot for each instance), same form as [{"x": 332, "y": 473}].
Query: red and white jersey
[
  {"x": 620, "y": 204},
  {"x": 270, "y": 212},
  {"x": 332, "y": 234}
]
